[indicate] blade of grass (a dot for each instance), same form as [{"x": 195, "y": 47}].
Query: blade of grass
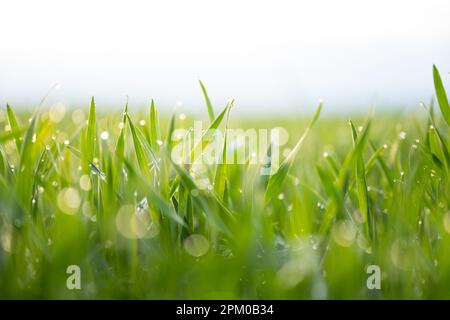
[
  {"x": 140, "y": 154},
  {"x": 221, "y": 170},
  {"x": 276, "y": 180},
  {"x": 14, "y": 126},
  {"x": 208, "y": 103},
  {"x": 91, "y": 133},
  {"x": 361, "y": 187},
  {"x": 209, "y": 134},
  {"x": 441, "y": 95},
  {"x": 120, "y": 146}
]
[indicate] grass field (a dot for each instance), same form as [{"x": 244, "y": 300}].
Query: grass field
[{"x": 101, "y": 191}]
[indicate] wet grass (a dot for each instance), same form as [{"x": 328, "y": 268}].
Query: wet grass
[{"x": 101, "y": 191}]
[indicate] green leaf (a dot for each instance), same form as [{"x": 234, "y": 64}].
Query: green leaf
[
  {"x": 208, "y": 103},
  {"x": 209, "y": 133},
  {"x": 276, "y": 180},
  {"x": 140, "y": 154},
  {"x": 169, "y": 141},
  {"x": 91, "y": 133},
  {"x": 441, "y": 95},
  {"x": 27, "y": 142},
  {"x": 361, "y": 186},
  {"x": 155, "y": 198},
  {"x": 14, "y": 126},
  {"x": 221, "y": 169},
  {"x": 120, "y": 147},
  {"x": 11, "y": 135},
  {"x": 437, "y": 149},
  {"x": 342, "y": 180},
  {"x": 384, "y": 167},
  {"x": 202, "y": 199},
  {"x": 154, "y": 127}
]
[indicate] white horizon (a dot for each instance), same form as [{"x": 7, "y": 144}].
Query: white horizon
[{"x": 272, "y": 56}]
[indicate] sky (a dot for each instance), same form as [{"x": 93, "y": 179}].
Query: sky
[{"x": 271, "y": 56}]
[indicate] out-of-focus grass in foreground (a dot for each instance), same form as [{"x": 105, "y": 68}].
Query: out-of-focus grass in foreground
[{"x": 100, "y": 191}]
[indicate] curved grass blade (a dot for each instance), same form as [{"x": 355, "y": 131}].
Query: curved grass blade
[
  {"x": 209, "y": 133},
  {"x": 343, "y": 177},
  {"x": 155, "y": 198},
  {"x": 91, "y": 134},
  {"x": 169, "y": 141},
  {"x": 120, "y": 146},
  {"x": 276, "y": 180},
  {"x": 361, "y": 186},
  {"x": 154, "y": 127},
  {"x": 11, "y": 135},
  {"x": 138, "y": 148},
  {"x": 441, "y": 95},
  {"x": 208, "y": 103},
  {"x": 221, "y": 170},
  {"x": 14, "y": 126},
  {"x": 437, "y": 148}
]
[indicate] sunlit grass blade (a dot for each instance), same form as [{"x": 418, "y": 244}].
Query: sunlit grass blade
[
  {"x": 14, "y": 126},
  {"x": 221, "y": 169},
  {"x": 155, "y": 198},
  {"x": 209, "y": 134},
  {"x": 276, "y": 180},
  {"x": 120, "y": 146},
  {"x": 342, "y": 181},
  {"x": 154, "y": 127},
  {"x": 202, "y": 199},
  {"x": 361, "y": 187},
  {"x": 377, "y": 156},
  {"x": 335, "y": 204},
  {"x": 441, "y": 95},
  {"x": 208, "y": 103},
  {"x": 437, "y": 148},
  {"x": 4, "y": 137},
  {"x": 147, "y": 147},
  {"x": 171, "y": 129},
  {"x": 91, "y": 133},
  {"x": 138, "y": 148},
  {"x": 27, "y": 141}
]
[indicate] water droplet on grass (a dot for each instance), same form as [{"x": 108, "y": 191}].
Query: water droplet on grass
[
  {"x": 196, "y": 245},
  {"x": 104, "y": 135},
  {"x": 85, "y": 182},
  {"x": 97, "y": 171},
  {"x": 69, "y": 200}
]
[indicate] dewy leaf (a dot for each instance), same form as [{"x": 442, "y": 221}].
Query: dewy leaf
[
  {"x": 10, "y": 135},
  {"x": 154, "y": 127},
  {"x": 209, "y": 134},
  {"x": 96, "y": 171},
  {"x": 361, "y": 186},
  {"x": 276, "y": 180},
  {"x": 120, "y": 147},
  {"x": 155, "y": 198},
  {"x": 27, "y": 143},
  {"x": 441, "y": 95},
  {"x": 140, "y": 155},
  {"x": 91, "y": 134},
  {"x": 14, "y": 125},
  {"x": 208, "y": 103},
  {"x": 169, "y": 141},
  {"x": 437, "y": 148},
  {"x": 221, "y": 169}
]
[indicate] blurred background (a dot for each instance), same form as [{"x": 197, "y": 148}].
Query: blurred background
[{"x": 272, "y": 56}]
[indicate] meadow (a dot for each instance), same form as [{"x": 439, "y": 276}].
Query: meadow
[{"x": 100, "y": 191}]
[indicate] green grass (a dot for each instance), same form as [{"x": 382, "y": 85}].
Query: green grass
[{"x": 100, "y": 190}]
